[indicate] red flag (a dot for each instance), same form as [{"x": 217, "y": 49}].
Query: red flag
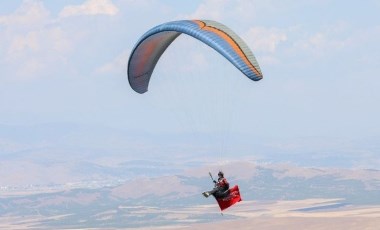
[{"x": 232, "y": 198}]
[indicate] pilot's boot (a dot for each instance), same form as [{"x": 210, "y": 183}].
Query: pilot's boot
[{"x": 206, "y": 194}]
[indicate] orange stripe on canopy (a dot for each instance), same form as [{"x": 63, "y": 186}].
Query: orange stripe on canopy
[{"x": 230, "y": 41}]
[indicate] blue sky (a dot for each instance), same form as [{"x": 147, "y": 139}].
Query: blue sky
[{"x": 65, "y": 61}]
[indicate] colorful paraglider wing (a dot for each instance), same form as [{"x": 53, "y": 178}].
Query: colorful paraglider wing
[
  {"x": 153, "y": 43},
  {"x": 231, "y": 199}
]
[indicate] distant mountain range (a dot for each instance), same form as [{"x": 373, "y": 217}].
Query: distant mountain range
[
  {"x": 82, "y": 176},
  {"x": 134, "y": 202}
]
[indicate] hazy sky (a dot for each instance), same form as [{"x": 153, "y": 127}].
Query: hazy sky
[{"x": 65, "y": 61}]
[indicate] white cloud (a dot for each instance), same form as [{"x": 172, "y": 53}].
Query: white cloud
[
  {"x": 210, "y": 9},
  {"x": 320, "y": 43},
  {"x": 21, "y": 43},
  {"x": 224, "y": 10},
  {"x": 32, "y": 42},
  {"x": 36, "y": 51},
  {"x": 30, "y": 12},
  {"x": 327, "y": 40},
  {"x": 60, "y": 42},
  {"x": 117, "y": 65},
  {"x": 90, "y": 7},
  {"x": 264, "y": 39}
]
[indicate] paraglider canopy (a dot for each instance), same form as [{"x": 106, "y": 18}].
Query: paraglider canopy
[{"x": 154, "y": 42}]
